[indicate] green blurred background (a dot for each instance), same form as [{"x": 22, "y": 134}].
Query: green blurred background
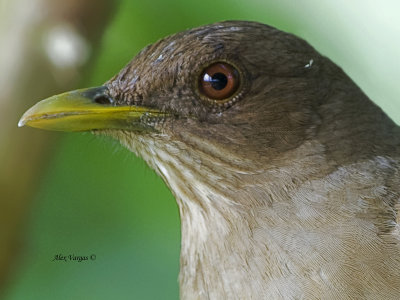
[{"x": 82, "y": 195}]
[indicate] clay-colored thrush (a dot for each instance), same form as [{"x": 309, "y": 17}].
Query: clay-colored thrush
[{"x": 286, "y": 175}]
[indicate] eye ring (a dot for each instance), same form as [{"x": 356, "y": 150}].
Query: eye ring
[{"x": 219, "y": 81}]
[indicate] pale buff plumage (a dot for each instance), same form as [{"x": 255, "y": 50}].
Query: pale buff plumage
[{"x": 276, "y": 239}]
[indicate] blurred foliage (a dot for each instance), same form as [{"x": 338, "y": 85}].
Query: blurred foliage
[
  {"x": 45, "y": 47},
  {"x": 97, "y": 198}
]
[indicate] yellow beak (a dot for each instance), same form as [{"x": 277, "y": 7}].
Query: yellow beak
[{"x": 86, "y": 109}]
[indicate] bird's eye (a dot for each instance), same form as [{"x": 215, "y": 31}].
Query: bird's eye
[{"x": 219, "y": 81}]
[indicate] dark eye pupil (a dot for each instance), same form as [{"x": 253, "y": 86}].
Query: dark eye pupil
[{"x": 219, "y": 81}]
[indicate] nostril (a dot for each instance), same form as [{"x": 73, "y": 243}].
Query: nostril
[{"x": 103, "y": 99}]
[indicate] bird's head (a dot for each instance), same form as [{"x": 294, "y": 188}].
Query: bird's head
[
  {"x": 260, "y": 139},
  {"x": 236, "y": 91}
]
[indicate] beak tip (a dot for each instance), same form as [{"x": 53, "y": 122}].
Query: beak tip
[{"x": 22, "y": 122}]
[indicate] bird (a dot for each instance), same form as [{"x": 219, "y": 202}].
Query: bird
[{"x": 286, "y": 175}]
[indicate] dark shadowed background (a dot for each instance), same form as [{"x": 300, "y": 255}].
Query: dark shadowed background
[{"x": 80, "y": 195}]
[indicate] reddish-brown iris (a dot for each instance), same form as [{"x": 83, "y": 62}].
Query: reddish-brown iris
[{"x": 219, "y": 81}]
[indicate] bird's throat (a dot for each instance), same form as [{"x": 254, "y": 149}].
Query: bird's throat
[{"x": 289, "y": 228}]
